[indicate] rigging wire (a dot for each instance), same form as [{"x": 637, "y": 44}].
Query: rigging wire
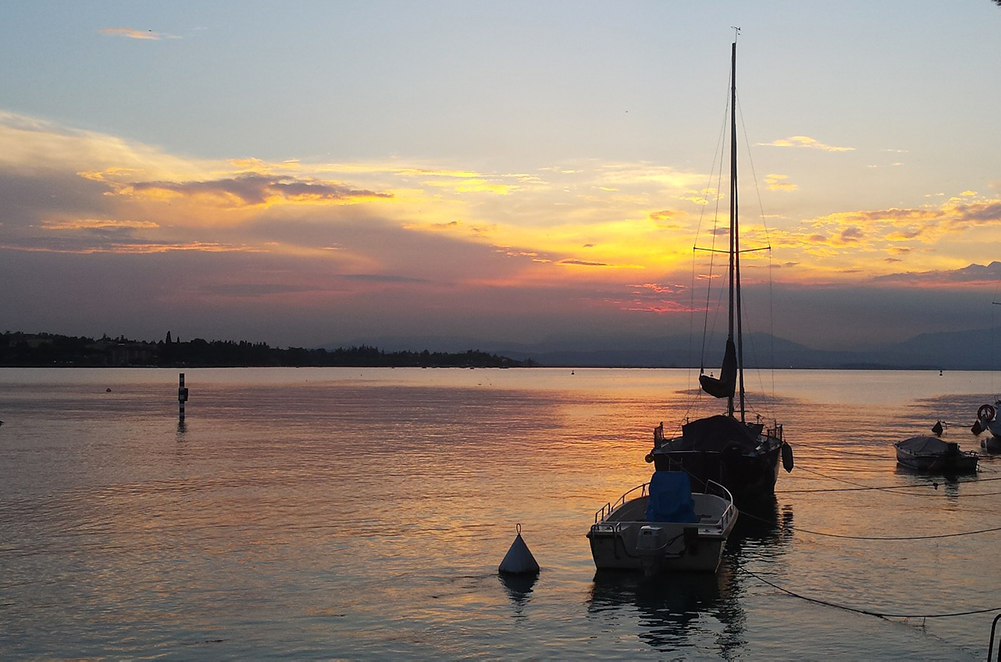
[
  {"x": 768, "y": 248},
  {"x": 754, "y": 176},
  {"x": 698, "y": 231},
  {"x": 712, "y": 263},
  {"x": 994, "y": 350},
  {"x": 868, "y": 612},
  {"x": 771, "y": 318},
  {"x": 715, "y": 173}
]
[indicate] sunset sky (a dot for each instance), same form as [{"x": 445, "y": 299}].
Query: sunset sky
[{"x": 304, "y": 173}]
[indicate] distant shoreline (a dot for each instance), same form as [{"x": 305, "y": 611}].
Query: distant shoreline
[{"x": 43, "y": 350}]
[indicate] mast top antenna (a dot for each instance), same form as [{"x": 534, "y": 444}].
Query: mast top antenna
[{"x": 736, "y": 32}]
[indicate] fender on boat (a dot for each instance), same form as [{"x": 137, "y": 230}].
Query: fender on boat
[{"x": 787, "y": 462}]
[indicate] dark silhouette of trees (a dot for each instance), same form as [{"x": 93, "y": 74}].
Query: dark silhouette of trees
[{"x": 37, "y": 350}]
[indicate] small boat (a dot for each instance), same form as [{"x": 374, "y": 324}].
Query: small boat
[
  {"x": 662, "y": 526},
  {"x": 987, "y": 421},
  {"x": 931, "y": 454},
  {"x": 725, "y": 448},
  {"x": 992, "y": 444}
]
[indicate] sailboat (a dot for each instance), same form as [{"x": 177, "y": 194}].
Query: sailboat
[
  {"x": 988, "y": 421},
  {"x": 725, "y": 448},
  {"x": 987, "y": 418}
]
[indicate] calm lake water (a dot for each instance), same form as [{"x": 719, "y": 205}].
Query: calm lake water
[{"x": 362, "y": 513}]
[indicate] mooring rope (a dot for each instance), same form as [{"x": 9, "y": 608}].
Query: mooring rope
[
  {"x": 888, "y": 488},
  {"x": 868, "y": 612},
  {"x": 799, "y": 529},
  {"x": 928, "y": 537},
  {"x": 901, "y": 487}
]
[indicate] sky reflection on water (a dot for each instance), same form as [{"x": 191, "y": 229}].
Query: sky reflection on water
[{"x": 316, "y": 513}]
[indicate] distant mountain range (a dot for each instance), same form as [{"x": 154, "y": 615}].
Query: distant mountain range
[{"x": 977, "y": 349}]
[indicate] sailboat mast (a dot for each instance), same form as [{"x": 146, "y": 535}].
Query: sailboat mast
[
  {"x": 734, "y": 268},
  {"x": 736, "y": 237}
]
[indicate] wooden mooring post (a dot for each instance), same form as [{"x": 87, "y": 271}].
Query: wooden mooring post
[{"x": 182, "y": 397}]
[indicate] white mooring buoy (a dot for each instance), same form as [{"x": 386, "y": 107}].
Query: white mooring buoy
[{"x": 519, "y": 560}]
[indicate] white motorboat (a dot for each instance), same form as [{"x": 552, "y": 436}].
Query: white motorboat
[{"x": 663, "y": 526}]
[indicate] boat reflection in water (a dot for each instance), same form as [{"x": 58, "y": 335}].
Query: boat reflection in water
[
  {"x": 671, "y": 608},
  {"x": 762, "y": 523},
  {"x": 949, "y": 483},
  {"x": 673, "y": 611}
]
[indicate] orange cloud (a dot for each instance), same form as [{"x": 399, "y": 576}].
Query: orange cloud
[
  {"x": 138, "y": 248},
  {"x": 253, "y": 190},
  {"x": 581, "y": 221},
  {"x": 957, "y": 231},
  {"x": 661, "y": 289},
  {"x": 670, "y": 218},
  {"x": 805, "y": 141},
  {"x": 778, "y": 183},
  {"x": 132, "y": 33},
  {"x": 96, "y": 224}
]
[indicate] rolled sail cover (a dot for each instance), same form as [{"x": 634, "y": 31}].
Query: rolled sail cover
[
  {"x": 725, "y": 386},
  {"x": 718, "y": 432}
]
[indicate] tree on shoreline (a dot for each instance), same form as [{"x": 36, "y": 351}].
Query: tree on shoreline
[{"x": 46, "y": 350}]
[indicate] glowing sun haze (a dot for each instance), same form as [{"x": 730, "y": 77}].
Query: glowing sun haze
[{"x": 313, "y": 172}]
